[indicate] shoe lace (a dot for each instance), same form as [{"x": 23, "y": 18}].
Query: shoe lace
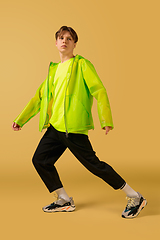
[{"x": 131, "y": 202}]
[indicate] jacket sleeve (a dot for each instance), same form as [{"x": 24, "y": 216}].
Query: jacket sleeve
[
  {"x": 31, "y": 109},
  {"x": 98, "y": 91}
]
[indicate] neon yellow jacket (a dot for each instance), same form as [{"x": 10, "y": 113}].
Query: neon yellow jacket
[{"x": 83, "y": 85}]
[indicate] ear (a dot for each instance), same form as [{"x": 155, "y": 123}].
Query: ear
[
  {"x": 75, "y": 44},
  {"x": 56, "y": 42}
]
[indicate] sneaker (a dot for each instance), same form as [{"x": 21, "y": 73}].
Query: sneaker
[
  {"x": 134, "y": 206},
  {"x": 60, "y": 205}
]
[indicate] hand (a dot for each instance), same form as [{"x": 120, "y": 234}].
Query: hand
[
  {"x": 16, "y": 127},
  {"x": 108, "y": 128}
]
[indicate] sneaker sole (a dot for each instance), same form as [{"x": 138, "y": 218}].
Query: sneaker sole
[
  {"x": 144, "y": 203},
  {"x": 62, "y": 209}
]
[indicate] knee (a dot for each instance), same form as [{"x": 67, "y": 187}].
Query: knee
[{"x": 35, "y": 161}]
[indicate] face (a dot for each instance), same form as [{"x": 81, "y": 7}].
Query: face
[{"x": 65, "y": 43}]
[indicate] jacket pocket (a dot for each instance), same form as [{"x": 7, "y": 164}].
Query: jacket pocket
[{"x": 77, "y": 117}]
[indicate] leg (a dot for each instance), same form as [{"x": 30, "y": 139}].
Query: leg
[
  {"x": 80, "y": 146},
  {"x": 47, "y": 153}
]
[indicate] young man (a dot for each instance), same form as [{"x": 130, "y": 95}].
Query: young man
[{"x": 64, "y": 100}]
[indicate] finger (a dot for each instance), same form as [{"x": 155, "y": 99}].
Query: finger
[
  {"x": 13, "y": 126},
  {"x": 16, "y": 127}
]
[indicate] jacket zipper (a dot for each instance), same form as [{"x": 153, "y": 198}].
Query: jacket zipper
[
  {"x": 47, "y": 94},
  {"x": 65, "y": 122}
]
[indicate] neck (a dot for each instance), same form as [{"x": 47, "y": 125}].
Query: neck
[{"x": 64, "y": 57}]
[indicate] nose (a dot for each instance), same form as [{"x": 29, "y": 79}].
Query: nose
[{"x": 65, "y": 40}]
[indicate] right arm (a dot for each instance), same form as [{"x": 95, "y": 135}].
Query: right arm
[
  {"x": 15, "y": 126},
  {"x": 30, "y": 110}
]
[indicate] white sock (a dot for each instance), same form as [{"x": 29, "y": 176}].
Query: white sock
[
  {"x": 129, "y": 191},
  {"x": 62, "y": 194}
]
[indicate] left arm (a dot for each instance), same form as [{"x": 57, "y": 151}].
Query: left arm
[
  {"x": 107, "y": 128},
  {"x": 98, "y": 91}
]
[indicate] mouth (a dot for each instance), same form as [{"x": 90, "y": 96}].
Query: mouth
[{"x": 64, "y": 46}]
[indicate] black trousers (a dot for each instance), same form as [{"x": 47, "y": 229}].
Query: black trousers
[{"x": 51, "y": 147}]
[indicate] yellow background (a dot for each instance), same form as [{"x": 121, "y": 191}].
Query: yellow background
[{"x": 121, "y": 38}]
